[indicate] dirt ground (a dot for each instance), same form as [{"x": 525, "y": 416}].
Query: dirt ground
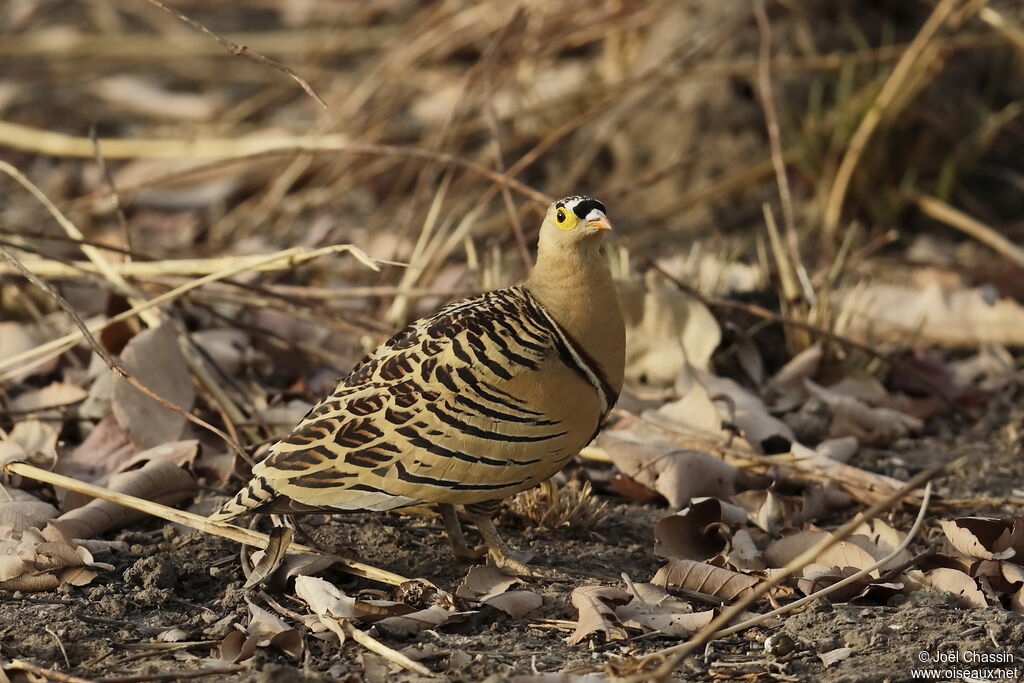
[{"x": 173, "y": 578}]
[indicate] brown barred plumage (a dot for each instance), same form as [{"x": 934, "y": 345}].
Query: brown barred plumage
[{"x": 488, "y": 397}]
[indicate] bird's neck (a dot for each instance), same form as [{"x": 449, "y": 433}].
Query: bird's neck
[{"x": 576, "y": 288}]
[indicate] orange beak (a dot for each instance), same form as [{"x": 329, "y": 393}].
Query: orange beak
[{"x": 600, "y": 223}]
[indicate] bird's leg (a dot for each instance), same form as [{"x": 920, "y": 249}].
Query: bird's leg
[
  {"x": 457, "y": 539},
  {"x": 501, "y": 554}
]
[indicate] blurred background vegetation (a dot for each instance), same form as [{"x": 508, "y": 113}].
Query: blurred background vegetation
[{"x": 868, "y": 131}]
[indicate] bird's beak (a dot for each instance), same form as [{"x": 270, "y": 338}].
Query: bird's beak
[{"x": 600, "y": 222}]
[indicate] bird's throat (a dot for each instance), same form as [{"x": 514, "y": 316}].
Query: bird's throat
[{"x": 576, "y": 288}]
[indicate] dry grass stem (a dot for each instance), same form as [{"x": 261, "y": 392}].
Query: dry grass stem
[
  {"x": 193, "y": 521},
  {"x": 915, "y": 60},
  {"x": 944, "y": 213},
  {"x": 242, "y": 51},
  {"x": 343, "y": 628},
  {"x": 293, "y": 256}
]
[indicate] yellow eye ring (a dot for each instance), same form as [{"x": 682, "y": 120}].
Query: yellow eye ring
[{"x": 560, "y": 216}]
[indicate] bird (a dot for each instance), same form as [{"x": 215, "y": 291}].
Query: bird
[{"x": 489, "y": 396}]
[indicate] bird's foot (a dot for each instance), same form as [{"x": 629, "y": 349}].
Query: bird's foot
[
  {"x": 467, "y": 553},
  {"x": 514, "y": 563},
  {"x": 457, "y": 538},
  {"x": 508, "y": 561}
]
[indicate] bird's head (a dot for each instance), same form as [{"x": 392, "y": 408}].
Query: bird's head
[{"x": 575, "y": 221}]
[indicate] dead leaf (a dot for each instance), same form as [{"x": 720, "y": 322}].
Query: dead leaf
[
  {"x": 655, "y": 609},
  {"x": 666, "y": 330},
  {"x": 414, "y": 622},
  {"x": 877, "y": 426},
  {"x": 42, "y": 559},
  {"x": 762, "y": 430},
  {"x": 226, "y": 347},
  {"x": 20, "y": 510},
  {"x": 17, "y": 338},
  {"x": 744, "y": 553},
  {"x": 154, "y": 358},
  {"x": 54, "y": 394},
  {"x": 886, "y": 539},
  {"x": 987, "y": 538},
  {"x": 267, "y": 561},
  {"x": 484, "y": 581},
  {"x": 326, "y": 599},
  {"x": 698, "y": 532},
  {"x": 930, "y": 315},
  {"x": 704, "y": 578},
  {"x": 958, "y": 583},
  {"x": 157, "y": 480},
  {"x": 237, "y": 647},
  {"x": 768, "y": 510},
  {"x": 516, "y": 604},
  {"x": 675, "y": 473},
  {"x": 843, "y": 554},
  {"x": 30, "y": 441},
  {"x": 595, "y": 605},
  {"x": 269, "y": 630},
  {"x": 102, "y": 452}
]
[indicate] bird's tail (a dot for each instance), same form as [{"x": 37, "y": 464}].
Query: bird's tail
[{"x": 256, "y": 494}]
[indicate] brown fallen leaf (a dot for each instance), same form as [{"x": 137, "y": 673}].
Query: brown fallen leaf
[
  {"x": 666, "y": 330},
  {"x": 53, "y": 394},
  {"x": 767, "y": 509},
  {"x": 227, "y": 347},
  {"x": 20, "y": 510},
  {"x": 484, "y": 581},
  {"x": 675, "y": 473},
  {"x": 154, "y": 358},
  {"x": 845, "y": 553},
  {"x": 37, "y": 560},
  {"x": 420, "y": 620},
  {"x": 705, "y": 578},
  {"x": 655, "y": 609},
  {"x": 694, "y": 413},
  {"x": 698, "y": 532},
  {"x": 269, "y": 630},
  {"x": 157, "y": 480},
  {"x": 744, "y": 553},
  {"x": 958, "y": 583},
  {"x": 786, "y": 390},
  {"x": 815, "y": 577},
  {"x": 266, "y": 562},
  {"x": 930, "y": 315},
  {"x": 987, "y": 538},
  {"x": 876, "y": 426},
  {"x": 102, "y": 452},
  {"x": 885, "y": 538},
  {"x": 516, "y": 604},
  {"x": 17, "y": 338},
  {"x": 595, "y": 605},
  {"x": 326, "y": 599},
  {"x": 762, "y": 430},
  {"x": 30, "y": 441}
]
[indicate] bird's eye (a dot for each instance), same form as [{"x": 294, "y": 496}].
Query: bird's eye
[{"x": 560, "y": 216}]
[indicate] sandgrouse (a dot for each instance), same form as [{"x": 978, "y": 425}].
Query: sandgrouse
[{"x": 489, "y": 396}]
